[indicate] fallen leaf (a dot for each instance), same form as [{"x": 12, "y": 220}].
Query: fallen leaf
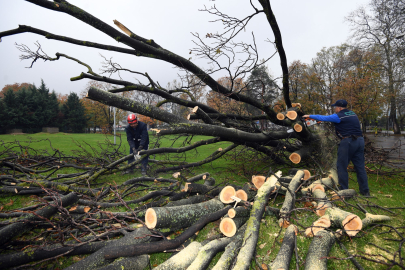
[
  {"x": 73, "y": 208},
  {"x": 264, "y": 266},
  {"x": 10, "y": 203},
  {"x": 117, "y": 225},
  {"x": 262, "y": 245},
  {"x": 388, "y": 196},
  {"x": 76, "y": 258},
  {"x": 87, "y": 209}
]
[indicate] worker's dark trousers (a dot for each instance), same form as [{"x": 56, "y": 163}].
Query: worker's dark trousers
[
  {"x": 144, "y": 161},
  {"x": 352, "y": 150}
]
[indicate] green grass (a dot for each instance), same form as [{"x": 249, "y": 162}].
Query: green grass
[{"x": 236, "y": 167}]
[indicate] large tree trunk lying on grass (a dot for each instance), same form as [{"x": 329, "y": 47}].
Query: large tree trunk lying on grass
[
  {"x": 133, "y": 250},
  {"x": 178, "y": 217},
  {"x": 253, "y": 225},
  {"x": 97, "y": 260},
  {"x": 208, "y": 251},
  {"x": 183, "y": 259},
  {"x": 133, "y": 263},
  {"x": 13, "y": 230},
  {"x": 283, "y": 259},
  {"x": 318, "y": 251},
  {"x": 289, "y": 200}
]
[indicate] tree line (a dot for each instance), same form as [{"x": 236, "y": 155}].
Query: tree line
[{"x": 30, "y": 108}]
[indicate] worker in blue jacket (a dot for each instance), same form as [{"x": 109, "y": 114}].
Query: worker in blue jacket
[
  {"x": 138, "y": 140},
  {"x": 351, "y": 147}
]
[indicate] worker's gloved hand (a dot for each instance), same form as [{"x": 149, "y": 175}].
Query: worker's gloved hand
[{"x": 140, "y": 148}]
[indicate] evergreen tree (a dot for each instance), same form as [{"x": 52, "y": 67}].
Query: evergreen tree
[
  {"x": 261, "y": 87},
  {"x": 12, "y": 113},
  {"x": 74, "y": 114}
]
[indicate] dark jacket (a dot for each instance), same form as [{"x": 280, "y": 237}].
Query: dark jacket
[
  {"x": 138, "y": 136},
  {"x": 349, "y": 124}
]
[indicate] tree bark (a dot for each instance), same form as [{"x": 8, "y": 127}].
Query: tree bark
[
  {"x": 283, "y": 259},
  {"x": 177, "y": 217},
  {"x": 318, "y": 251},
  {"x": 289, "y": 199},
  {"x": 133, "y": 250},
  {"x": 183, "y": 259}
]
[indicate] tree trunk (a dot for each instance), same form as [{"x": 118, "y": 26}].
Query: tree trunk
[
  {"x": 183, "y": 259},
  {"x": 318, "y": 251},
  {"x": 283, "y": 259},
  {"x": 177, "y": 217},
  {"x": 351, "y": 223},
  {"x": 253, "y": 226},
  {"x": 289, "y": 200},
  {"x": 208, "y": 251}
]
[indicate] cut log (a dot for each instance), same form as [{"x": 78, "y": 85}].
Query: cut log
[
  {"x": 351, "y": 223},
  {"x": 258, "y": 180},
  {"x": 343, "y": 194},
  {"x": 196, "y": 188},
  {"x": 321, "y": 207},
  {"x": 296, "y": 105},
  {"x": 318, "y": 251},
  {"x": 13, "y": 230},
  {"x": 370, "y": 218},
  {"x": 240, "y": 211},
  {"x": 318, "y": 225},
  {"x": 289, "y": 199},
  {"x": 133, "y": 250},
  {"x": 280, "y": 116},
  {"x": 183, "y": 259},
  {"x": 229, "y": 226},
  {"x": 241, "y": 194},
  {"x": 307, "y": 174},
  {"x": 298, "y": 127},
  {"x": 253, "y": 225},
  {"x": 209, "y": 182},
  {"x": 250, "y": 190},
  {"x": 297, "y": 156},
  {"x": 226, "y": 194},
  {"x": 282, "y": 261},
  {"x": 177, "y": 217},
  {"x": 196, "y": 178},
  {"x": 292, "y": 115}
]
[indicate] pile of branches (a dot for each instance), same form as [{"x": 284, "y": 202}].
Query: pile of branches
[{"x": 72, "y": 217}]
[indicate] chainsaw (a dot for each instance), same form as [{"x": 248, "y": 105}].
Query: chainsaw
[{"x": 308, "y": 121}]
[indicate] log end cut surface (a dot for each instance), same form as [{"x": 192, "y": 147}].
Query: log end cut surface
[
  {"x": 292, "y": 115},
  {"x": 280, "y": 116},
  {"x": 228, "y": 227},
  {"x": 241, "y": 194},
  {"x": 226, "y": 194},
  {"x": 150, "y": 218},
  {"x": 352, "y": 224},
  {"x": 258, "y": 181},
  {"x": 297, "y": 127},
  {"x": 295, "y": 158}
]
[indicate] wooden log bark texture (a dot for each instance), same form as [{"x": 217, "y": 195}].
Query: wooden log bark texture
[
  {"x": 318, "y": 251},
  {"x": 183, "y": 259},
  {"x": 283, "y": 259},
  {"x": 290, "y": 199},
  {"x": 180, "y": 216}
]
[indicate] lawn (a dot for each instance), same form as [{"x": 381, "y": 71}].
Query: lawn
[{"x": 237, "y": 167}]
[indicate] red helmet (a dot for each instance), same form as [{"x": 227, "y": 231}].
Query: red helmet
[{"x": 132, "y": 119}]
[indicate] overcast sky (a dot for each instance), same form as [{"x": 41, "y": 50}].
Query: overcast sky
[{"x": 306, "y": 27}]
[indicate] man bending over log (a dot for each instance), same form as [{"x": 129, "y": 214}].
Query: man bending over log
[
  {"x": 351, "y": 147},
  {"x": 138, "y": 139}
]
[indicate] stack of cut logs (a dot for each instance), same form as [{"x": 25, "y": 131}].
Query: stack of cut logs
[
  {"x": 240, "y": 211},
  {"x": 241, "y": 221}
]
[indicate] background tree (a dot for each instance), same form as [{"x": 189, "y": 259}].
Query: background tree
[
  {"x": 74, "y": 114},
  {"x": 380, "y": 28}
]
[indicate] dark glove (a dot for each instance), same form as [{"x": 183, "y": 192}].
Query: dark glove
[{"x": 134, "y": 151}]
